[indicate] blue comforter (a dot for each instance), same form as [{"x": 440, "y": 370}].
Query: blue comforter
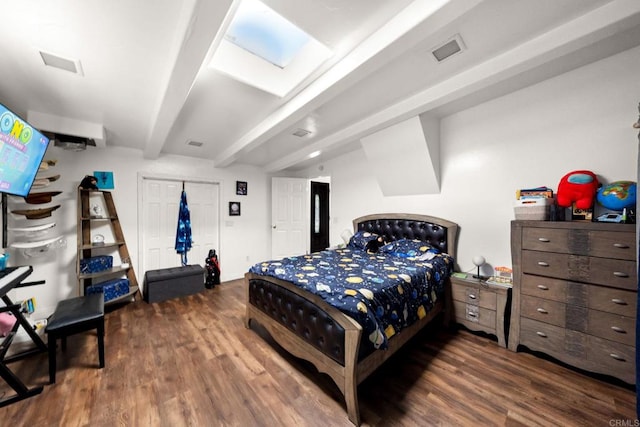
[{"x": 383, "y": 292}]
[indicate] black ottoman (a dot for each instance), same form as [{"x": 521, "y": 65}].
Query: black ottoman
[{"x": 167, "y": 283}]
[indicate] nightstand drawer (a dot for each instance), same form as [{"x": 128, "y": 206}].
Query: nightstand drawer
[
  {"x": 474, "y": 314},
  {"x": 552, "y": 312},
  {"x": 475, "y": 296}
]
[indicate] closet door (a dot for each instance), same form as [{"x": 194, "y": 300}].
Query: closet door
[{"x": 159, "y": 220}]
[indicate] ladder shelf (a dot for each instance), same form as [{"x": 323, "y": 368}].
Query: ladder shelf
[{"x": 89, "y": 227}]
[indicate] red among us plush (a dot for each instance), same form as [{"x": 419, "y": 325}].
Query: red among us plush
[{"x": 579, "y": 187}]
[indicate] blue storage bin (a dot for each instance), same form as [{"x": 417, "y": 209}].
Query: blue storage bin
[
  {"x": 111, "y": 289},
  {"x": 96, "y": 264}
]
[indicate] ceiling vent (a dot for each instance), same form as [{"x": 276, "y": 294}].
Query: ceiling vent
[
  {"x": 451, "y": 47},
  {"x": 70, "y": 142},
  {"x": 195, "y": 143},
  {"x": 301, "y": 132},
  {"x": 61, "y": 63}
]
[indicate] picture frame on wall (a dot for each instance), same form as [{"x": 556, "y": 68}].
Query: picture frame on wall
[
  {"x": 234, "y": 208},
  {"x": 104, "y": 180},
  {"x": 241, "y": 188}
]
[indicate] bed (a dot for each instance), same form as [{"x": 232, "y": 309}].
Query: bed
[{"x": 343, "y": 339}]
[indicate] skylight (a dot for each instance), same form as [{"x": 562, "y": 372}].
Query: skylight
[
  {"x": 265, "y": 50},
  {"x": 263, "y": 32}
]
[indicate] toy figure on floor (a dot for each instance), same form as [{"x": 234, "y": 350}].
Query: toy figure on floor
[{"x": 213, "y": 270}]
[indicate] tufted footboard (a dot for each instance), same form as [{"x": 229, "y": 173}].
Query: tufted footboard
[{"x": 310, "y": 329}]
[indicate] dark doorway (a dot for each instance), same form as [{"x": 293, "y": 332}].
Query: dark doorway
[{"x": 319, "y": 216}]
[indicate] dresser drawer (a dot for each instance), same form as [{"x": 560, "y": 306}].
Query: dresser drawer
[
  {"x": 544, "y": 287},
  {"x": 542, "y": 336},
  {"x": 605, "y": 244},
  {"x": 610, "y": 272},
  {"x": 620, "y": 274},
  {"x": 614, "y": 301},
  {"x": 612, "y": 327},
  {"x": 474, "y": 314},
  {"x": 611, "y": 244},
  {"x": 474, "y": 295},
  {"x": 545, "y": 239},
  {"x": 543, "y": 310},
  {"x": 613, "y": 359}
]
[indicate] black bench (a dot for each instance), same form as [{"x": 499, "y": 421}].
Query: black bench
[
  {"x": 167, "y": 283},
  {"x": 73, "y": 316}
]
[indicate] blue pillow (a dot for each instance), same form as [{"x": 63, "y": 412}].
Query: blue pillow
[
  {"x": 361, "y": 239},
  {"x": 406, "y": 248}
]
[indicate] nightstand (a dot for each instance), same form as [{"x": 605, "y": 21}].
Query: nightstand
[{"x": 480, "y": 306}]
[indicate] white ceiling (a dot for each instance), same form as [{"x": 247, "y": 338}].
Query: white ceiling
[{"x": 145, "y": 76}]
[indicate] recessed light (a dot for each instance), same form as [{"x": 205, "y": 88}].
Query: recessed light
[{"x": 314, "y": 154}]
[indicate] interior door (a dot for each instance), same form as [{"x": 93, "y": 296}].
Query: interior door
[
  {"x": 319, "y": 230},
  {"x": 159, "y": 219},
  {"x": 289, "y": 216}
]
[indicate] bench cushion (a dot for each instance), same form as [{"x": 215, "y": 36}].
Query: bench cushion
[{"x": 75, "y": 311}]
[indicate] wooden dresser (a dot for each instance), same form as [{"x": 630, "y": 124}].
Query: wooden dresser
[{"x": 574, "y": 293}]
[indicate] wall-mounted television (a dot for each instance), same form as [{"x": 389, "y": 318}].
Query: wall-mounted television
[{"x": 22, "y": 148}]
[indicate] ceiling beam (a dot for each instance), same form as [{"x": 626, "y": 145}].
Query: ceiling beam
[
  {"x": 404, "y": 31},
  {"x": 201, "y": 20},
  {"x": 546, "y": 50}
]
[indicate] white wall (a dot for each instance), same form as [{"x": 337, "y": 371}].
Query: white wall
[
  {"x": 244, "y": 240},
  {"x": 529, "y": 138}
]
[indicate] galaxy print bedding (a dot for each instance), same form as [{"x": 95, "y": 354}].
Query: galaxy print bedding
[{"x": 384, "y": 291}]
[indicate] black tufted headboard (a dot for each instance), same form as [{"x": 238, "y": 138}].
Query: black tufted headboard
[{"x": 438, "y": 232}]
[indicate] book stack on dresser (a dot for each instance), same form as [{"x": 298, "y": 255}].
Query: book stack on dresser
[{"x": 574, "y": 293}]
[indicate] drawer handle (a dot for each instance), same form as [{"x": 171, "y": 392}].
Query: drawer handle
[
  {"x": 543, "y": 287},
  {"x": 541, "y": 310},
  {"x": 471, "y": 313},
  {"x": 541, "y": 334},
  {"x": 620, "y": 274},
  {"x": 472, "y": 296},
  {"x": 619, "y": 329},
  {"x": 544, "y": 264},
  {"x": 620, "y": 246},
  {"x": 617, "y": 357},
  {"x": 619, "y": 301},
  {"x": 543, "y": 239}
]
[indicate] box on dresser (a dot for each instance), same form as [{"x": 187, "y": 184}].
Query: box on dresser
[{"x": 574, "y": 293}]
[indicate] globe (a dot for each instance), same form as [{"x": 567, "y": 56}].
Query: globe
[{"x": 617, "y": 195}]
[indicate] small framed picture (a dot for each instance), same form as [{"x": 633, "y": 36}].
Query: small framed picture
[
  {"x": 234, "y": 208},
  {"x": 104, "y": 180},
  {"x": 241, "y": 188}
]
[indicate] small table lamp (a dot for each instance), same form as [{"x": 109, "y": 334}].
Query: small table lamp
[{"x": 478, "y": 261}]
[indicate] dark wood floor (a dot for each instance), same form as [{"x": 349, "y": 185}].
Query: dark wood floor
[{"x": 190, "y": 361}]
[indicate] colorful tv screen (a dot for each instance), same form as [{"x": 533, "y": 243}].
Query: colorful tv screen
[{"x": 22, "y": 148}]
